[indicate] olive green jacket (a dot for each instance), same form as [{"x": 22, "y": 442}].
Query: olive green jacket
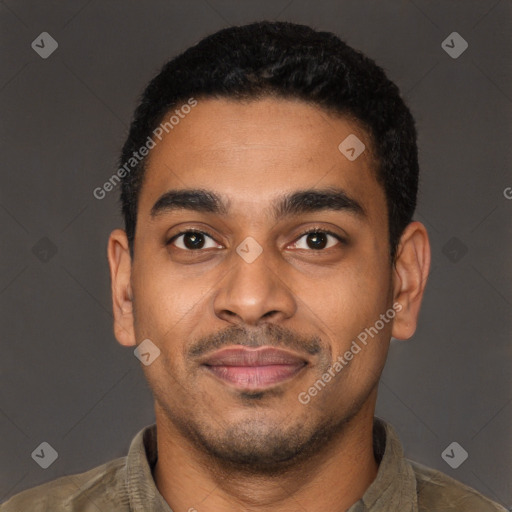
[{"x": 126, "y": 485}]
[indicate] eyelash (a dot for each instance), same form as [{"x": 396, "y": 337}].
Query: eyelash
[{"x": 307, "y": 232}]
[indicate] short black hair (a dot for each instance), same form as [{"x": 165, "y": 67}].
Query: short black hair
[{"x": 286, "y": 60}]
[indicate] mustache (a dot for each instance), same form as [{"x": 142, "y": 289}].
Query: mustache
[{"x": 270, "y": 335}]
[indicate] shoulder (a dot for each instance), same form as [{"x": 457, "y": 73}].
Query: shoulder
[
  {"x": 438, "y": 491},
  {"x": 101, "y": 487}
]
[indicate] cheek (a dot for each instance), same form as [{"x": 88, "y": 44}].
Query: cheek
[
  {"x": 352, "y": 295},
  {"x": 346, "y": 307},
  {"x": 164, "y": 299}
]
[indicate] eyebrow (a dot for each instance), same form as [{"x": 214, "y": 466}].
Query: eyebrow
[{"x": 294, "y": 203}]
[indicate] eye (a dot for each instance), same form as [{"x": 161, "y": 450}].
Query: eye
[
  {"x": 317, "y": 239},
  {"x": 192, "y": 240}
]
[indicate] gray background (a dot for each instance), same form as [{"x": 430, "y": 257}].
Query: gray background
[{"x": 64, "y": 378}]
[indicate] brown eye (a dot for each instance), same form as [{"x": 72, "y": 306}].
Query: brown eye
[
  {"x": 317, "y": 240},
  {"x": 192, "y": 240}
]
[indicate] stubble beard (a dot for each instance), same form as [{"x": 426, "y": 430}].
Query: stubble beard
[{"x": 259, "y": 446}]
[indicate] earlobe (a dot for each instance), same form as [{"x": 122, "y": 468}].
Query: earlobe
[
  {"x": 120, "y": 264},
  {"x": 411, "y": 270}
]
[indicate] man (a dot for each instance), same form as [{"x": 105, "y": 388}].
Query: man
[{"x": 269, "y": 255}]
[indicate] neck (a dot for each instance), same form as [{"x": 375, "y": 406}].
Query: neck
[{"x": 332, "y": 480}]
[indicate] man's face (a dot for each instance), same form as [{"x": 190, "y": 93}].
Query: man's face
[{"x": 308, "y": 295}]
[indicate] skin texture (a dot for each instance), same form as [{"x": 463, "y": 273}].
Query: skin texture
[{"x": 222, "y": 448}]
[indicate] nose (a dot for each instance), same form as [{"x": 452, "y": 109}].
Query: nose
[{"x": 255, "y": 292}]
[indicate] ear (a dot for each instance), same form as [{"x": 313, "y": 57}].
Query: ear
[
  {"x": 411, "y": 268},
  {"x": 120, "y": 264}
]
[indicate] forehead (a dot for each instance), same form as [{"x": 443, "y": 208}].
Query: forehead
[{"x": 250, "y": 152}]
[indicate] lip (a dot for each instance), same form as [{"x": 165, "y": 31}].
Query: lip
[{"x": 254, "y": 368}]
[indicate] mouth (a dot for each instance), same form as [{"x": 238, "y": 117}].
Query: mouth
[{"x": 254, "y": 368}]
